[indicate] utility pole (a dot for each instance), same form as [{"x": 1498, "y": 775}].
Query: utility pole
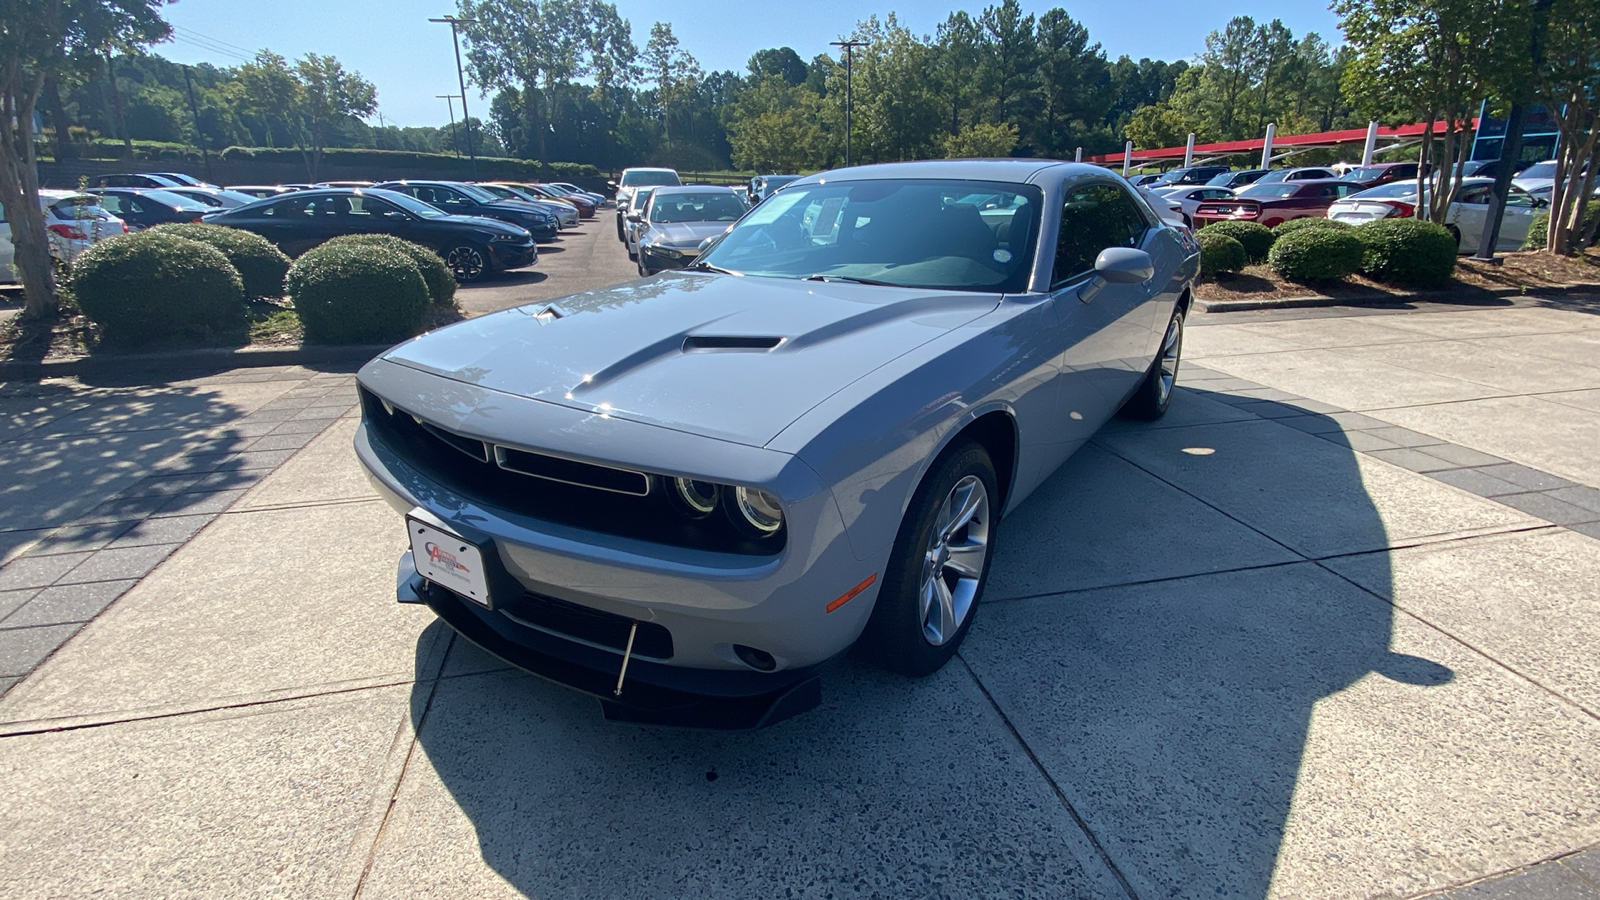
[
  {"x": 461, "y": 78},
  {"x": 849, "y": 60},
  {"x": 450, "y": 101},
  {"x": 199, "y": 137}
]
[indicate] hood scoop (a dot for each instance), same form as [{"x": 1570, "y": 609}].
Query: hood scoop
[{"x": 701, "y": 342}]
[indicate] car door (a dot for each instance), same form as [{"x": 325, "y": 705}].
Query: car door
[
  {"x": 1520, "y": 211},
  {"x": 1106, "y": 328},
  {"x": 1468, "y": 212}
]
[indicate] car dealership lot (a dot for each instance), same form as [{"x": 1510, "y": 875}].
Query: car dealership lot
[{"x": 1327, "y": 630}]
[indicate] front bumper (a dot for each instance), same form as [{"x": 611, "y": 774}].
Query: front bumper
[
  {"x": 513, "y": 255},
  {"x": 657, "y": 260}
]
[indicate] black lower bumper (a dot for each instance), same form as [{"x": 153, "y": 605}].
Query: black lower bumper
[
  {"x": 652, "y": 693},
  {"x": 513, "y": 256}
]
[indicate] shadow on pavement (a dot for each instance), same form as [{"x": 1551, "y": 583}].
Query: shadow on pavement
[
  {"x": 507, "y": 279},
  {"x": 1169, "y": 707}
]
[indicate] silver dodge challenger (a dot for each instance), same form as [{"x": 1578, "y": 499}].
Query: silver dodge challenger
[{"x": 684, "y": 494}]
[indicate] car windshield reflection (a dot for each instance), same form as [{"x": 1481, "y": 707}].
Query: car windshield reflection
[{"x": 939, "y": 234}]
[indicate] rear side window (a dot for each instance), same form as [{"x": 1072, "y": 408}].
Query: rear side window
[{"x": 1093, "y": 218}]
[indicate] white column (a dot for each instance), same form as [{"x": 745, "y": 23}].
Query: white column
[
  {"x": 1078, "y": 157},
  {"x": 1372, "y": 144},
  {"x": 1266, "y": 146},
  {"x": 1188, "y": 152},
  {"x": 1127, "y": 158}
]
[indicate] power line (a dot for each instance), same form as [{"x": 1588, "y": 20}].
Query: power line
[
  {"x": 221, "y": 43},
  {"x": 183, "y": 39}
]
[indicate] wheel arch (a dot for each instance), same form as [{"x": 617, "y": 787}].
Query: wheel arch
[{"x": 996, "y": 432}]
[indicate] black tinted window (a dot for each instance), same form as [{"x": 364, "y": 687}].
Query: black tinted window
[{"x": 1094, "y": 217}]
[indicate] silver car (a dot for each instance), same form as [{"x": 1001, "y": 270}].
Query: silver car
[
  {"x": 683, "y": 494},
  {"x": 678, "y": 221}
]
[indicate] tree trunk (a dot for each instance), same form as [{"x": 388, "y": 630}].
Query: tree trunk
[
  {"x": 19, "y": 194},
  {"x": 116, "y": 108},
  {"x": 59, "y": 120}
]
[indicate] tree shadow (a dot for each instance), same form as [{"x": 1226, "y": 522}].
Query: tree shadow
[
  {"x": 1157, "y": 633},
  {"x": 506, "y": 279}
]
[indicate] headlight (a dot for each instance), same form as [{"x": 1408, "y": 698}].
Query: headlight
[
  {"x": 510, "y": 237},
  {"x": 755, "y": 512},
  {"x": 667, "y": 252},
  {"x": 752, "y": 512},
  {"x": 695, "y": 499}
]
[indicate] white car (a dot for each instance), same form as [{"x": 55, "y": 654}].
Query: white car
[
  {"x": 1465, "y": 218},
  {"x": 1536, "y": 176},
  {"x": 1190, "y": 196},
  {"x": 1166, "y": 208},
  {"x": 74, "y": 222},
  {"x": 216, "y": 198}
]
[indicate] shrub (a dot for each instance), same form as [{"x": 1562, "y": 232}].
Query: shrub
[
  {"x": 1539, "y": 228},
  {"x": 148, "y": 285},
  {"x": 1254, "y": 237},
  {"x": 1220, "y": 254},
  {"x": 1316, "y": 254},
  {"x": 1407, "y": 251},
  {"x": 440, "y": 280},
  {"x": 357, "y": 293},
  {"x": 1300, "y": 224},
  {"x": 261, "y": 265}
]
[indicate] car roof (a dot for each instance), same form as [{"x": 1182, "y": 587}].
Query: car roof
[
  {"x": 1020, "y": 171},
  {"x": 670, "y": 189},
  {"x": 649, "y": 169}
]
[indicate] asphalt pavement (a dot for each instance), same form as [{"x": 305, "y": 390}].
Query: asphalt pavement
[
  {"x": 1328, "y": 630},
  {"x": 583, "y": 259}
]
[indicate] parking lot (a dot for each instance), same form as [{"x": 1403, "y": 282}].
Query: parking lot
[{"x": 1326, "y": 630}]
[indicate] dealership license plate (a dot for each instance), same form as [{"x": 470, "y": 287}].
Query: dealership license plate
[{"x": 448, "y": 561}]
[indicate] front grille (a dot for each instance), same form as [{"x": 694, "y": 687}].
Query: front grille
[
  {"x": 592, "y": 625},
  {"x": 602, "y": 499}
]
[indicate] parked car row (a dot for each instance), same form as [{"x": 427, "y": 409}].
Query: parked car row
[{"x": 73, "y": 220}]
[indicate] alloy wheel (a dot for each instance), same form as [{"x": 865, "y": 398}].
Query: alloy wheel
[
  {"x": 466, "y": 262},
  {"x": 952, "y": 565},
  {"x": 1171, "y": 356}
]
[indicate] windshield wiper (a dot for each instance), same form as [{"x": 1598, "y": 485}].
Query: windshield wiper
[
  {"x": 708, "y": 267},
  {"x": 851, "y": 279}
]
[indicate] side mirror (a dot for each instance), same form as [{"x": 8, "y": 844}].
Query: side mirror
[
  {"x": 1540, "y": 203},
  {"x": 612, "y": 185},
  {"x": 635, "y": 217},
  {"x": 706, "y": 244},
  {"x": 1124, "y": 265}
]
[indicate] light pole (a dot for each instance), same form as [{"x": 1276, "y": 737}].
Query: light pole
[
  {"x": 461, "y": 78},
  {"x": 450, "y": 101},
  {"x": 849, "y": 58}
]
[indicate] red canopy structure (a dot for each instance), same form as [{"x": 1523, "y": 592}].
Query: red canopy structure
[{"x": 1356, "y": 136}]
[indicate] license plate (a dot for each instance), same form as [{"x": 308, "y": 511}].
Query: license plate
[{"x": 448, "y": 561}]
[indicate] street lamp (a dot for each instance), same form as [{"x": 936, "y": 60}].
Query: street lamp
[
  {"x": 450, "y": 101},
  {"x": 461, "y": 78},
  {"x": 849, "y": 58}
]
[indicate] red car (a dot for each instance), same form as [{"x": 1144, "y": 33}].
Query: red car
[{"x": 1275, "y": 203}]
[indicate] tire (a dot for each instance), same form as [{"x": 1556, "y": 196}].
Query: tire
[
  {"x": 620, "y": 236},
  {"x": 911, "y": 631},
  {"x": 1455, "y": 233},
  {"x": 468, "y": 262},
  {"x": 1154, "y": 393},
  {"x": 643, "y": 272},
  {"x": 633, "y": 255}
]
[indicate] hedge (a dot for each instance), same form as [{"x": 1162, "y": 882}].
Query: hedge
[
  {"x": 261, "y": 265},
  {"x": 1253, "y": 236},
  {"x": 1539, "y": 228},
  {"x": 357, "y": 294},
  {"x": 1304, "y": 222},
  {"x": 440, "y": 280},
  {"x": 1316, "y": 254},
  {"x": 1220, "y": 254},
  {"x": 151, "y": 284},
  {"x": 1407, "y": 251},
  {"x": 446, "y": 164}
]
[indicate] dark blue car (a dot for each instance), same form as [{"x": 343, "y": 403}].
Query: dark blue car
[{"x": 462, "y": 199}]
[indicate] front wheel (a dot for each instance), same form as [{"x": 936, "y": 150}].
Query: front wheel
[
  {"x": 468, "y": 262},
  {"x": 938, "y": 567},
  {"x": 1154, "y": 394}
]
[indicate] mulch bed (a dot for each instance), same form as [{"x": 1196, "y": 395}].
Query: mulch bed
[{"x": 1525, "y": 271}]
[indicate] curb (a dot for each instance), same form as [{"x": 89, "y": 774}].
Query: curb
[
  {"x": 1381, "y": 300},
  {"x": 208, "y": 358}
]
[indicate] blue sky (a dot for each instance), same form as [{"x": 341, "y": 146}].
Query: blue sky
[{"x": 392, "y": 43}]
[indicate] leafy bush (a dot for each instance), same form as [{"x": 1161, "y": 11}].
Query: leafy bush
[
  {"x": 1407, "y": 251},
  {"x": 1300, "y": 224},
  {"x": 261, "y": 265},
  {"x": 1539, "y": 228},
  {"x": 1316, "y": 254},
  {"x": 1254, "y": 237},
  {"x": 151, "y": 284},
  {"x": 440, "y": 280},
  {"x": 357, "y": 293},
  {"x": 1220, "y": 254},
  {"x": 390, "y": 163}
]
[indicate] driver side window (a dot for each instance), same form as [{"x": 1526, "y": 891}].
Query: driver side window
[{"x": 1094, "y": 218}]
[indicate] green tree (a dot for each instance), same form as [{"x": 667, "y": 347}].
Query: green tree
[
  {"x": 673, "y": 70},
  {"x": 329, "y": 94},
  {"x": 1009, "y": 59},
  {"x": 781, "y": 61},
  {"x": 1568, "y": 82},
  {"x": 981, "y": 141},
  {"x": 270, "y": 89},
  {"x": 776, "y": 127},
  {"x": 1074, "y": 81}
]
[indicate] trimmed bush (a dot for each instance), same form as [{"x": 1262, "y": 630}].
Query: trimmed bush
[
  {"x": 261, "y": 265},
  {"x": 1300, "y": 224},
  {"x": 1254, "y": 237},
  {"x": 357, "y": 294},
  {"x": 446, "y": 165},
  {"x": 1539, "y": 228},
  {"x": 1219, "y": 253},
  {"x": 148, "y": 285},
  {"x": 1316, "y": 254},
  {"x": 440, "y": 280},
  {"x": 1407, "y": 251}
]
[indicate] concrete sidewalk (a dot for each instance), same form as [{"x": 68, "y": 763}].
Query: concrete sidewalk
[{"x": 1327, "y": 630}]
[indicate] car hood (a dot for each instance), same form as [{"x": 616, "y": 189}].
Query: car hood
[
  {"x": 516, "y": 206},
  {"x": 498, "y": 226},
  {"x": 731, "y": 357},
  {"x": 685, "y": 234}
]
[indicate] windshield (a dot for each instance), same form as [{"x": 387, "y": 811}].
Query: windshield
[
  {"x": 1274, "y": 175},
  {"x": 709, "y": 207},
  {"x": 177, "y": 201},
  {"x": 475, "y": 192},
  {"x": 408, "y": 203},
  {"x": 1371, "y": 173},
  {"x": 81, "y": 206},
  {"x": 1274, "y": 191},
  {"x": 1540, "y": 170},
  {"x": 925, "y": 233},
  {"x": 1392, "y": 189},
  {"x": 635, "y": 177}
]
